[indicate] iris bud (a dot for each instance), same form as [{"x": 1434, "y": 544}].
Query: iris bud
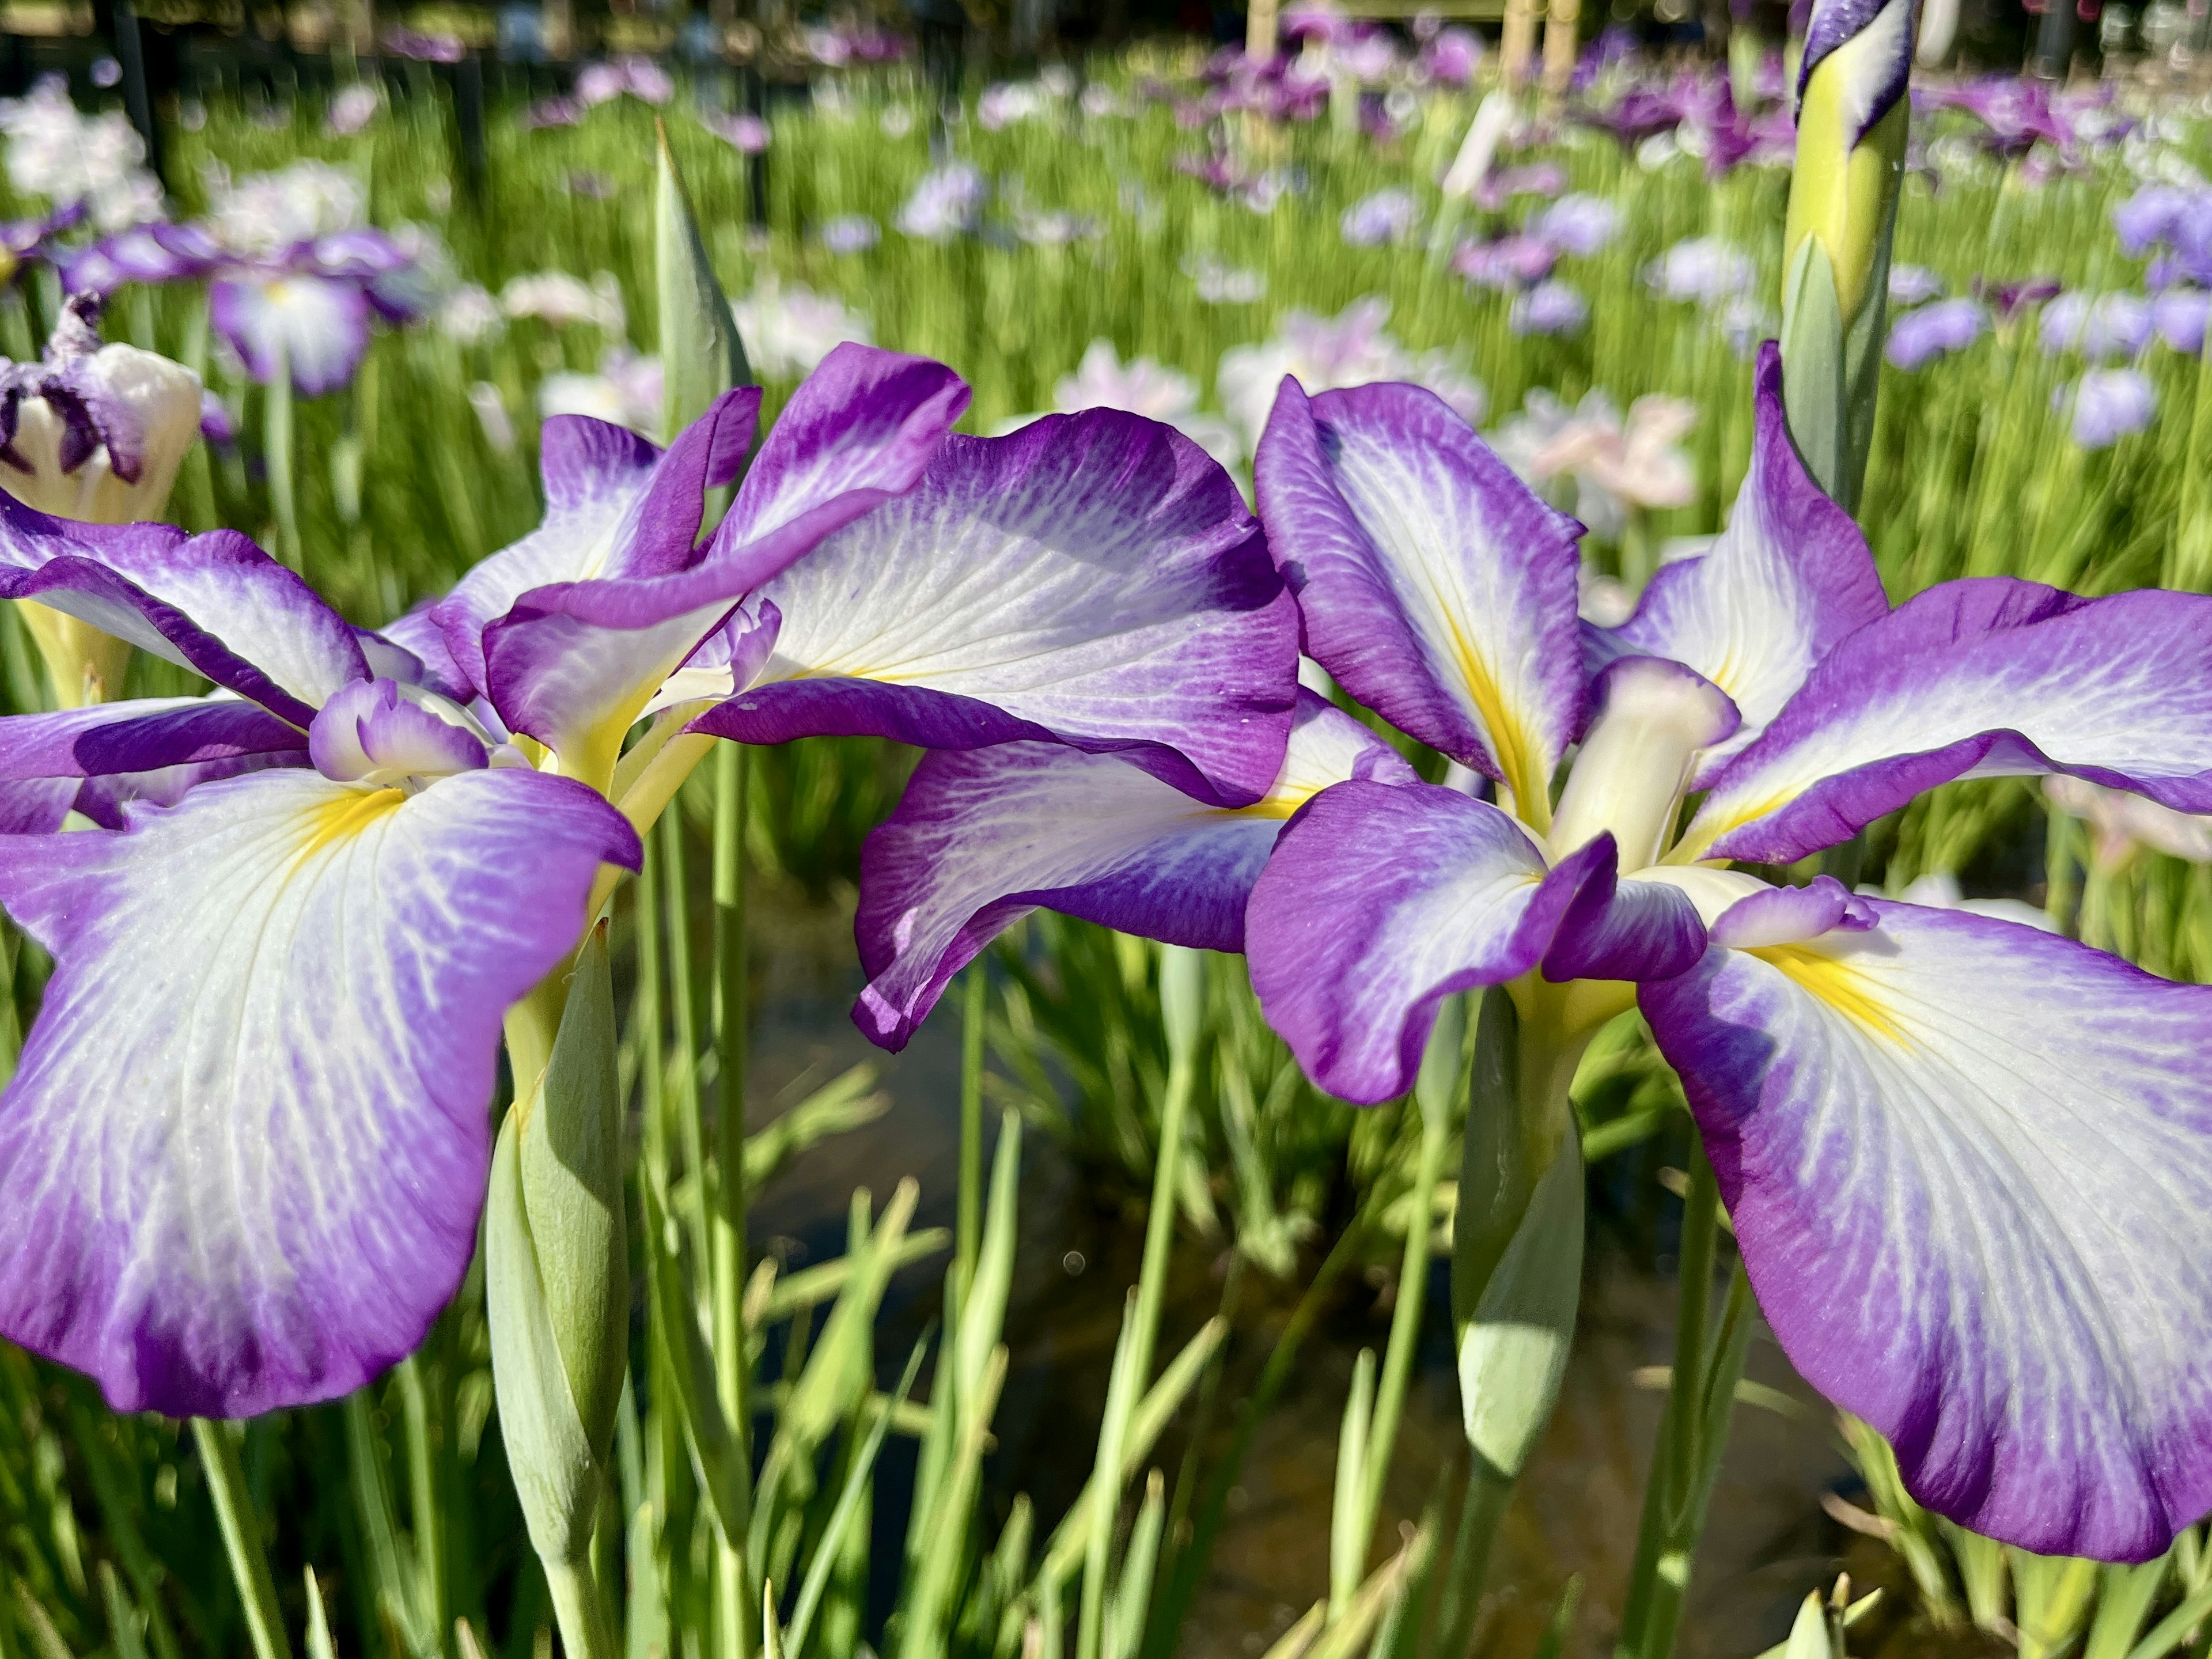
[
  {"x": 95, "y": 433},
  {"x": 557, "y": 1279}
]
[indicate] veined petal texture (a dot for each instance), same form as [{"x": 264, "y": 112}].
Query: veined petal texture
[
  {"x": 241, "y": 1161},
  {"x": 983, "y": 836},
  {"x": 215, "y": 603},
  {"x": 1092, "y": 579},
  {"x": 1786, "y": 581},
  {"x": 1989, "y": 677},
  {"x": 1432, "y": 583},
  {"x": 1969, "y": 1164}
]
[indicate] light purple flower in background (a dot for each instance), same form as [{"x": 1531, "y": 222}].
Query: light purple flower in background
[
  {"x": 1912, "y": 285},
  {"x": 424, "y": 48},
  {"x": 744, "y": 132},
  {"x": 851, "y": 232},
  {"x": 1140, "y": 386},
  {"x": 1539, "y": 178},
  {"x": 2100, "y": 326},
  {"x": 1580, "y": 224},
  {"x": 1921, "y": 335},
  {"x": 2109, "y": 404},
  {"x": 1007, "y": 103},
  {"x": 1452, "y": 56},
  {"x": 1706, "y": 269},
  {"x": 1506, "y": 262},
  {"x": 946, "y": 202},
  {"x": 348, "y": 867},
  {"x": 1550, "y": 307},
  {"x": 2179, "y": 315},
  {"x": 1385, "y": 215},
  {"x": 552, "y": 112},
  {"x": 640, "y": 77},
  {"x": 1350, "y": 348},
  {"x": 626, "y": 392},
  {"x": 2014, "y": 112},
  {"x": 788, "y": 331},
  {"x": 1220, "y": 283}
]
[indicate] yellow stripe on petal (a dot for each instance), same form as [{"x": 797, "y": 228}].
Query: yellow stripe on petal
[
  {"x": 349, "y": 815},
  {"x": 1514, "y": 749},
  {"x": 1834, "y": 981}
]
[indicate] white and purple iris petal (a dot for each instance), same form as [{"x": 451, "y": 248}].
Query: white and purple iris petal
[
  {"x": 241, "y": 1161},
  {"x": 1986, "y": 677},
  {"x": 571, "y": 633},
  {"x": 983, "y": 836},
  {"x": 1092, "y": 579},
  {"x": 1432, "y": 583},
  {"x": 1969, "y": 1165},
  {"x": 1784, "y": 584}
]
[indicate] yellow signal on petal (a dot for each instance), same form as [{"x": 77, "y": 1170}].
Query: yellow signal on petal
[
  {"x": 1835, "y": 981},
  {"x": 348, "y": 817}
]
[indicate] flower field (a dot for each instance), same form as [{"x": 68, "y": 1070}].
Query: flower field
[{"x": 1369, "y": 728}]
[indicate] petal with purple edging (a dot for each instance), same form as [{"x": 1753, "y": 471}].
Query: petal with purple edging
[
  {"x": 574, "y": 663},
  {"x": 140, "y": 736},
  {"x": 1987, "y": 677},
  {"x": 1092, "y": 579},
  {"x": 983, "y": 836},
  {"x": 241, "y": 1160},
  {"x": 1788, "y": 579},
  {"x": 215, "y": 603},
  {"x": 1969, "y": 1165},
  {"x": 316, "y": 327},
  {"x": 615, "y": 505},
  {"x": 1433, "y": 585},
  {"x": 1380, "y": 902}
]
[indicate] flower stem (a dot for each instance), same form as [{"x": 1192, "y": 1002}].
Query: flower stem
[
  {"x": 968, "y": 1231},
  {"x": 283, "y": 497},
  {"x": 586, "y": 1631},
  {"x": 1693, "y": 1434},
  {"x": 241, "y": 1538},
  {"x": 735, "y": 1588}
]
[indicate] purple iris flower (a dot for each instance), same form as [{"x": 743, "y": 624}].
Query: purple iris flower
[
  {"x": 1921, "y": 335},
  {"x": 2178, "y": 222},
  {"x": 2014, "y": 112},
  {"x": 1505, "y": 262},
  {"x": 2109, "y": 404},
  {"x": 1580, "y": 224},
  {"x": 288, "y": 957},
  {"x": 2179, "y": 315},
  {"x": 851, "y": 232},
  {"x": 26, "y": 242},
  {"x": 1912, "y": 285},
  {"x": 1550, "y": 307},
  {"x": 2100, "y": 326},
  {"x": 1967, "y": 1162},
  {"x": 1386, "y": 216}
]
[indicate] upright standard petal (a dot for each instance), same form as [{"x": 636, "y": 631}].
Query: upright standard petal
[
  {"x": 1969, "y": 1165},
  {"x": 241, "y": 1161},
  {"x": 1378, "y": 903},
  {"x": 607, "y": 491},
  {"x": 983, "y": 836},
  {"x": 575, "y": 662},
  {"x": 1092, "y": 579},
  {"x": 1787, "y": 580},
  {"x": 1432, "y": 583},
  {"x": 1989, "y": 677},
  {"x": 214, "y": 603}
]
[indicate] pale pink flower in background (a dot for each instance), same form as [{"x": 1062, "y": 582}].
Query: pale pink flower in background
[
  {"x": 1352, "y": 347},
  {"x": 353, "y": 109},
  {"x": 1140, "y": 386},
  {"x": 555, "y": 297},
  {"x": 2120, "y": 823},
  {"x": 787, "y": 331},
  {"x": 1591, "y": 462}
]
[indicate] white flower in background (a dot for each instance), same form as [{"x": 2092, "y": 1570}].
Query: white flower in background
[
  {"x": 1708, "y": 270},
  {"x": 1142, "y": 386},
  {"x": 68, "y": 158},
  {"x": 491, "y": 415},
  {"x": 555, "y": 297},
  {"x": 265, "y": 213},
  {"x": 1220, "y": 283},
  {"x": 1008, "y": 102},
  {"x": 352, "y": 109},
  {"x": 469, "y": 315},
  {"x": 1350, "y": 348},
  {"x": 1590, "y": 462},
  {"x": 896, "y": 122},
  {"x": 788, "y": 331},
  {"x": 626, "y": 391}
]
